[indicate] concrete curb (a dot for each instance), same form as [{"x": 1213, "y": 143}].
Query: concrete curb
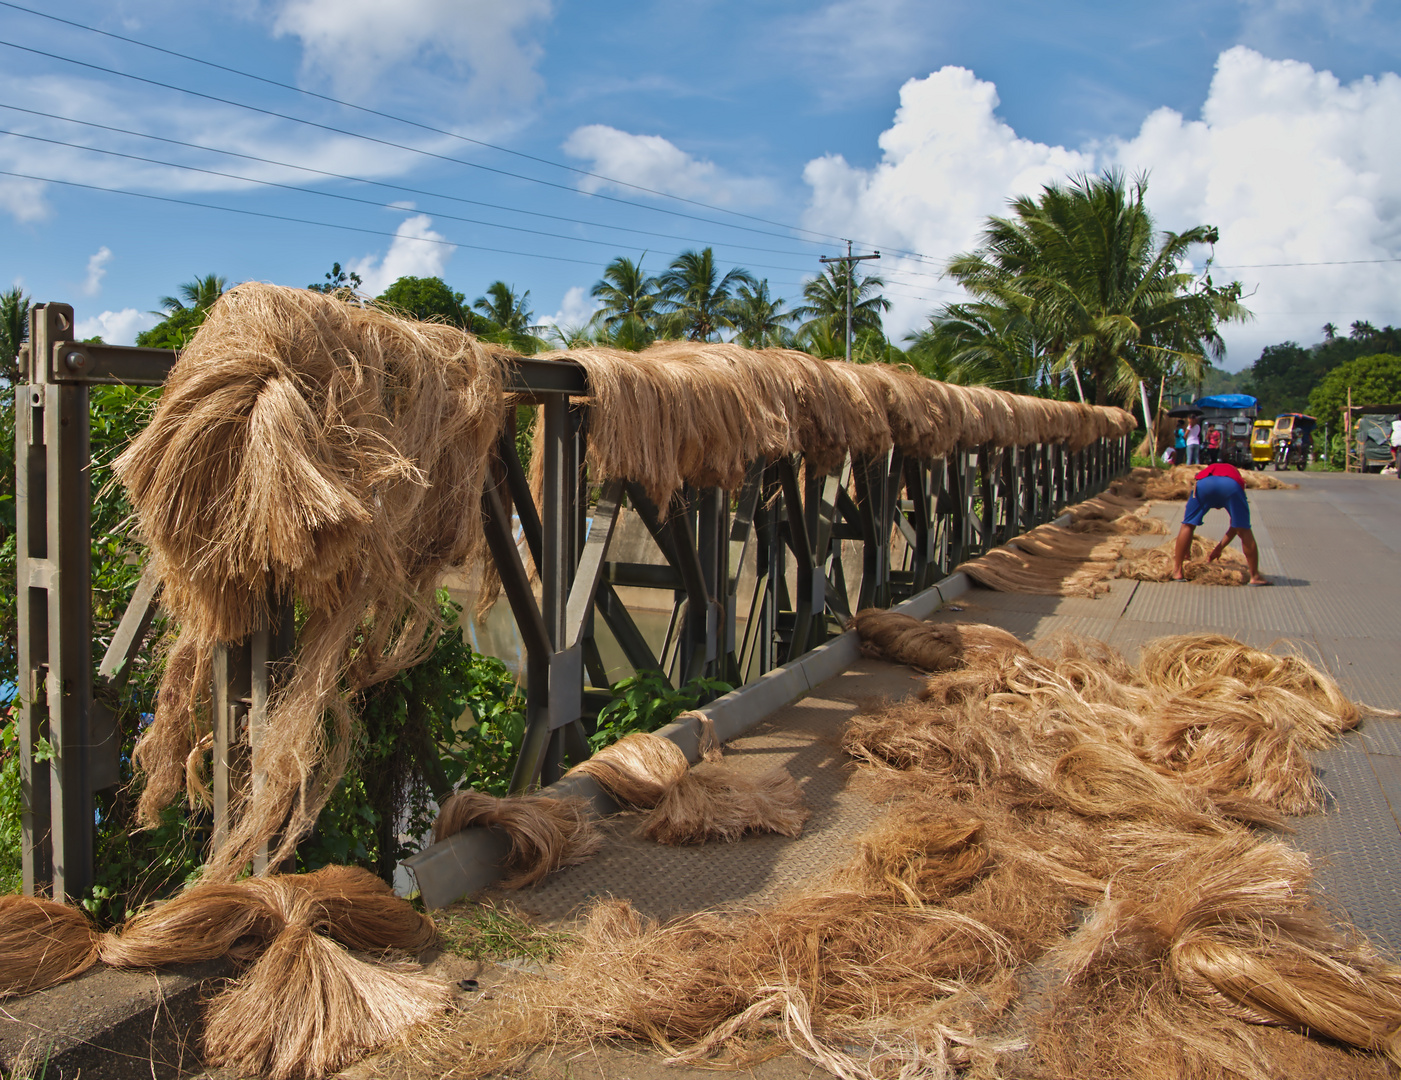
[
  {"x": 471, "y": 860},
  {"x": 123, "y": 1025}
]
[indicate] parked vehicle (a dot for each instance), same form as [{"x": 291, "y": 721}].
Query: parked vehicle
[
  {"x": 1235, "y": 415},
  {"x": 1292, "y": 435},
  {"x": 1262, "y": 447},
  {"x": 1373, "y": 435}
]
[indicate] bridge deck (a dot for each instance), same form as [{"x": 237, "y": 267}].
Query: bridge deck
[{"x": 1332, "y": 549}]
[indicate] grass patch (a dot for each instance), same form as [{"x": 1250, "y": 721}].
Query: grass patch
[{"x": 488, "y": 932}]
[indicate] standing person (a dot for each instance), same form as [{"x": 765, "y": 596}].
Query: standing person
[
  {"x": 1217, "y": 487},
  {"x": 1213, "y": 445},
  {"x": 1194, "y": 441},
  {"x": 1179, "y": 444},
  {"x": 1396, "y": 443}
]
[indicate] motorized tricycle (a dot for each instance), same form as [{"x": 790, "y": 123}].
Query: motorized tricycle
[
  {"x": 1262, "y": 449},
  {"x": 1292, "y": 436}
]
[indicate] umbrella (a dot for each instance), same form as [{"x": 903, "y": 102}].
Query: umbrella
[{"x": 1185, "y": 410}]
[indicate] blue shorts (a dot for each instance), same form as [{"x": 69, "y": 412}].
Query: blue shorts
[{"x": 1216, "y": 493}]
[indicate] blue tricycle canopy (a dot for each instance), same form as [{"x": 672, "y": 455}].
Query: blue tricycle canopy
[{"x": 1227, "y": 401}]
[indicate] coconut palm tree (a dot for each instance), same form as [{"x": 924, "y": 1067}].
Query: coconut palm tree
[
  {"x": 507, "y": 310},
  {"x": 196, "y": 295},
  {"x": 826, "y": 299},
  {"x": 14, "y": 331},
  {"x": 759, "y": 317},
  {"x": 982, "y": 344},
  {"x": 694, "y": 301},
  {"x": 626, "y": 293},
  {"x": 1106, "y": 299}
]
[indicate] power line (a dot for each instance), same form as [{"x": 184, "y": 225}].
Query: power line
[
  {"x": 336, "y": 195},
  {"x": 1329, "y": 262},
  {"x": 411, "y": 123},
  {"x": 375, "y": 183},
  {"x": 435, "y": 130},
  {"x": 388, "y": 142},
  {"x": 289, "y": 218}
]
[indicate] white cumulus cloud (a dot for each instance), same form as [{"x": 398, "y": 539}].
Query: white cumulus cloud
[
  {"x": 651, "y": 161},
  {"x": 415, "y": 251},
  {"x": 23, "y": 199},
  {"x": 356, "y": 42},
  {"x": 116, "y": 327},
  {"x": 575, "y": 309},
  {"x": 1294, "y": 167},
  {"x": 1288, "y": 162},
  {"x": 97, "y": 270}
]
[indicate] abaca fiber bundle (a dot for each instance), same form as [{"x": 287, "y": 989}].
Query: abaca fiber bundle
[
  {"x": 324, "y": 453},
  {"x": 1052, "y": 788},
  {"x": 545, "y": 833},
  {"x": 304, "y": 1006},
  {"x": 711, "y": 801}
]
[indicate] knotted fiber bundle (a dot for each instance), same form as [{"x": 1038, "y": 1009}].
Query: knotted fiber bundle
[
  {"x": 1181, "y": 661},
  {"x": 1235, "y": 926},
  {"x": 305, "y": 1008},
  {"x": 323, "y": 452},
  {"x": 888, "y": 635},
  {"x": 1008, "y": 570},
  {"x": 545, "y": 833},
  {"x": 1156, "y": 564},
  {"x": 690, "y": 806}
]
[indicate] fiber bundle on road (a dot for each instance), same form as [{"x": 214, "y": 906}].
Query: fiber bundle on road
[
  {"x": 686, "y": 805},
  {"x": 1054, "y": 789},
  {"x": 304, "y": 1005},
  {"x": 545, "y": 833},
  {"x": 1156, "y": 564}
]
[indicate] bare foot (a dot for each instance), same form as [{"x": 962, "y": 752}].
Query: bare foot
[{"x": 1257, "y": 580}]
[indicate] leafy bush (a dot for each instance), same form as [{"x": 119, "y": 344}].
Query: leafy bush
[{"x": 645, "y": 702}]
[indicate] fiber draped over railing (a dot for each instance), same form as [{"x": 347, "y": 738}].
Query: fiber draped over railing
[
  {"x": 699, "y": 413},
  {"x": 315, "y": 450}
]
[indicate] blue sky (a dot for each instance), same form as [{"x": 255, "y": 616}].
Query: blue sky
[{"x": 788, "y": 126}]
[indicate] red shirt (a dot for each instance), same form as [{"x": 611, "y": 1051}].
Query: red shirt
[{"x": 1222, "y": 469}]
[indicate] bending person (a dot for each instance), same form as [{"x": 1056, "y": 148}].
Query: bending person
[{"x": 1218, "y": 487}]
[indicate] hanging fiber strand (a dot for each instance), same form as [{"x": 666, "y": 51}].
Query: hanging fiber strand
[{"x": 319, "y": 452}]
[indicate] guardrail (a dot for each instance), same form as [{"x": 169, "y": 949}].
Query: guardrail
[{"x": 912, "y": 520}]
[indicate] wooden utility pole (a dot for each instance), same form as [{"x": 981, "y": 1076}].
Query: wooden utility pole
[
  {"x": 849, "y": 259},
  {"x": 1347, "y": 434}
]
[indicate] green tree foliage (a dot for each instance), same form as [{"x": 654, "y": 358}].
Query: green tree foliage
[
  {"x": 1082, "y": 264},
  {"x": 981, "y": 344},
  {"x": 627, "y": 293},
  {"x": 694, "y": 300},
  {"x": 1374, "y": 380},
  {"x": 825, "y": 298},
  {"x": 509, "y": 318},
  {"x": 14, "y": 332},
  {"x": 339, "y": 282},
  {"x": 759, "y": 318},
  {"x": 198, "y": 294},
  {"x": 425, "y": 299},
  {"x": 184, "y": 313},
  {"x": 1285, "y": 374}
]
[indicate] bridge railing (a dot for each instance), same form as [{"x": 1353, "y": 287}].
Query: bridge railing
[{"x": 770, "y": 553}]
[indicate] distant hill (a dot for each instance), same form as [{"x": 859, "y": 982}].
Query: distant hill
[{"x": 1285, "y": 373}]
